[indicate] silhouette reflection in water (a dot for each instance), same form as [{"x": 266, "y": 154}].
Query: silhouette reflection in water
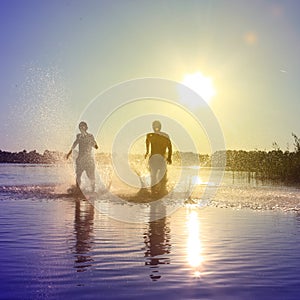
[
  {"x": 157, "y": 241},
  {"x": 83, "y": 227}
]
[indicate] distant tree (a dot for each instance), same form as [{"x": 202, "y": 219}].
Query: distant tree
[{"x": 296, "y": 142}]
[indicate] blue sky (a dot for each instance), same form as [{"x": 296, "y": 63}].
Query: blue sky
[{"x": 58, "y": 55}]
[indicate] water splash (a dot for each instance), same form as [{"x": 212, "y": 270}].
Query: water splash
[{"x": 42, "y": 114}]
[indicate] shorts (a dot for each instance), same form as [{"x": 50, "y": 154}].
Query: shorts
[{"x": 87, "y": 165}]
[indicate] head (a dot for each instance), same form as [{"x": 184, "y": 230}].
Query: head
[
  {"x": 83, "y": 126},
  {"x": 156, "y": 125}
]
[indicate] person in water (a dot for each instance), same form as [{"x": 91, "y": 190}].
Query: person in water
[
  {"x": 84, "y": 161},
  {"x": 159, "y": 142}
]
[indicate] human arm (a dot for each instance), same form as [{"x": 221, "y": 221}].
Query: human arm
[
  {"x": 147, "y": 146},
  {"x": 95, "y": 143},
  {"x": 73, "y": 146},
  {"x": 68, "y": 154},
  {"x": 169, "y": 158}
]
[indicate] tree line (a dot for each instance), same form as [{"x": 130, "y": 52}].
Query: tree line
[
  {"x": 275, "y": 165},
  {"x": 32, "y": 157}
]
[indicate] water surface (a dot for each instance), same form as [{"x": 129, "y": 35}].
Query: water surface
[{"x": 56, "y": 247}]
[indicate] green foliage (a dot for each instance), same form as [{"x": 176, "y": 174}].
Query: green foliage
[{"x": 272, "y": 165}]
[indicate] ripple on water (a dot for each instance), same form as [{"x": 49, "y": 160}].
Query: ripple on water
[{"x": 58, "y": 247}]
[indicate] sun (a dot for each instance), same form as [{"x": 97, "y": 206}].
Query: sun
[{"x": 200, "y": 84}]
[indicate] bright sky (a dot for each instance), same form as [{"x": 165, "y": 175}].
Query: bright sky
[{"x": 56, "y": 56}]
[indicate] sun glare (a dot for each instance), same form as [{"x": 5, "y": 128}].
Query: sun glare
[
  {"x": 194, "y": 247},
  {"x": 200, "y": 84}
]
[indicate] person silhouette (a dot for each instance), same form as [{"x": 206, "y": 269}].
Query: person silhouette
[
  {"x": 84, "y": 161},
  {"x": 159, "y": 142}
]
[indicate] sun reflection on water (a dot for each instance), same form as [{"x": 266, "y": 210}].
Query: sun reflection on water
[
  {"x": 194, "y": 245},
  {"x": 197, "y": 180}
]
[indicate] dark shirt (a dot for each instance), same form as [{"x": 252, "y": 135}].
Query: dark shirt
[{"x": 159, "y": 142}]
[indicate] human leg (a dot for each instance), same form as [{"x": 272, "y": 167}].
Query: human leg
[
  {"x": 90, "y": 172},
  {"x": 153, "y": 172},
  {"x": 157, "y": 170},
  {"x": 162, "y": 177},
  {"x": 79, "y": 171}
]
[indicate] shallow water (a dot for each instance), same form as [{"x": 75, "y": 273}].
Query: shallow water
[{"x": 54, "y": 246}]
